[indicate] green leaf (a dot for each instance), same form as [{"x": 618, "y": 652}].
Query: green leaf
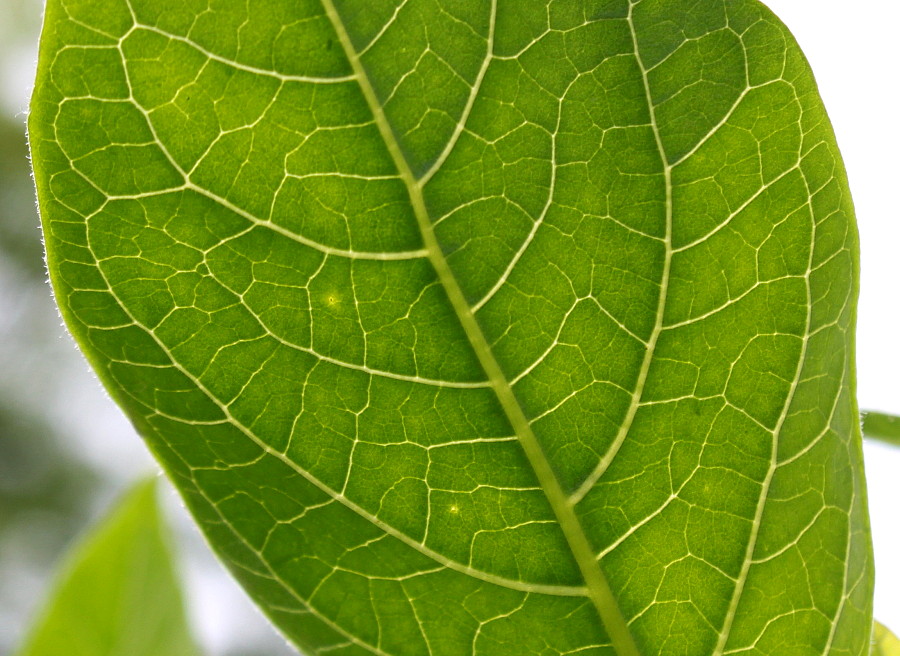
[
  {"x": 485, "y": 326},
  {"x": 881, "y": 426},
  {"x": 884, "y": 643},
  {"x": 118, "y": 594}
]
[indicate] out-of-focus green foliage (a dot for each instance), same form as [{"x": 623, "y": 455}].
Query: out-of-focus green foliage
[
  {"x": 882, "y": 426},
  {"x": 37, "y": 479},
  {"x": 884, "y": 642},
  {"x": 119, "y": 595},
  {"x": 20, "y": 243}
]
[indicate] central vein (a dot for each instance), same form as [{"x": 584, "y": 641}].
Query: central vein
[{"x": 598, "y": 588}]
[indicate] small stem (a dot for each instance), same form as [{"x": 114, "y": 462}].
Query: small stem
[{"x": 881, "y": 426}]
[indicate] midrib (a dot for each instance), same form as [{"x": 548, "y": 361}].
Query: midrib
[{"x": 598, "y": 589}]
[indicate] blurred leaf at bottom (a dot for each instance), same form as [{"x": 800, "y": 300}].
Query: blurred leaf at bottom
[
  {"x": 884, "y": 643},
  {"x": 118, "y": 595}
]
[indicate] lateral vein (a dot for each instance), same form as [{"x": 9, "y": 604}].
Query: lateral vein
[{"x": 644, "y": 371}]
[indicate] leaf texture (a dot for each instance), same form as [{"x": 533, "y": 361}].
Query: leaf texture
[
  {"x": 119, "y": 594},
  {"x": 475, "y": 327}
]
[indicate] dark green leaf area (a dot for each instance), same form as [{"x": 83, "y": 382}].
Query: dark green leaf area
[{"x": 341, "y": 261}]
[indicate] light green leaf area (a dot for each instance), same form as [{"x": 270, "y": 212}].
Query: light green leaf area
[
  {"x": 884, "y": 643},
  {"x": 118, "y": 594},
  {"x": 494, "y": 327},
  {"x": 881, "y": 426}
]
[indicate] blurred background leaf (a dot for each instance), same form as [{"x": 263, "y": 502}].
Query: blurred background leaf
[
  {"x": 119, "y": 593},
  {"x": 882, "y": 427},
  {"x": 884, "y": 643}
]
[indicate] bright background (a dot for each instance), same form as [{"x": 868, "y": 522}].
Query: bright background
[{"x": 65, "y": 449}]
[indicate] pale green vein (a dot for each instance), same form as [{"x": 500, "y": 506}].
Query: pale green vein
[
  {"x": 598, "y": 588},
  {"x": 243, "y": 67},
  {"x": 470, "y": 101},
  {"x": 537, "y": 223},
  {"x": 744, "y": 205},
  {"x": 644, "y": 371},
  {"x": 384, "y": 28},
  {"x": 773, "y": 464}
]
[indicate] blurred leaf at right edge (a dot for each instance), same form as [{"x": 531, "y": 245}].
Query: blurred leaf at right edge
[
  {"x": 118, "y": 595},
  {"x": 884, "y": 643},
  {"x": 877, "y": 425}
]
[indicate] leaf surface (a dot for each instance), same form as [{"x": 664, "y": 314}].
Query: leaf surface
[
  {"x": 118, "y": 594},
  {"x": 475, "y": 327}
]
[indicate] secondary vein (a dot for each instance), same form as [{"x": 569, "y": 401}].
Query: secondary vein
[
  {"x": 644, "y": 371},
  {"x": 737, "y": 594},
  {"x": 598, "y": 589}
]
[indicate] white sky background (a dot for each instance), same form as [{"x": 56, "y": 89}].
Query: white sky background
[{"x": 854, "y": 50}]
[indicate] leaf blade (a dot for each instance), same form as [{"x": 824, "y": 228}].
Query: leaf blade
[{"x": 338, "y": 314}]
